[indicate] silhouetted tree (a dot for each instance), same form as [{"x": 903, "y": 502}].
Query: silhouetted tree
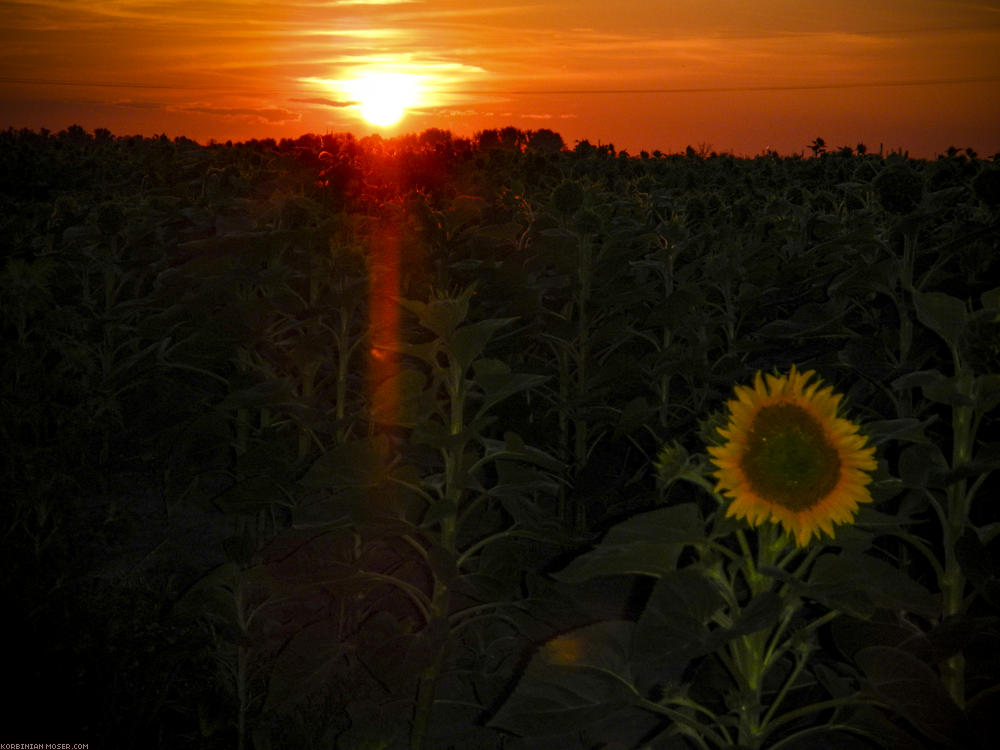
[
  {"x": 74, "y": 134},
  {"x": 487, "y": 140},
  {"x": 512, "y": 139},
  {"x": 818, "y": 147},
  {"x": 436, "y": 139},
  {"x": 545, "y": 141}
]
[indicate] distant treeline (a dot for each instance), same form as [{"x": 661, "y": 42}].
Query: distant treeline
[{"x": 40, "y": 164}]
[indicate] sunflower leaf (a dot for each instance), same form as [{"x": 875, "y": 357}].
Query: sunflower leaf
[
  {"x": 573, "y": 681},
  {"x": 646, "y": 544},
  {"x": 943, "y": 314},
  {"x": 922, "y": 466},
  {"x": 909, "y": 429},
  {"x": 860, "y": 584},
  {"x": 914, "y": 691},
  {"x": 674, "y": 626}
]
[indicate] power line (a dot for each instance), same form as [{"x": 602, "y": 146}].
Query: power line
[
  {"x": 537, "y": 92},
  {"x": 729, "y": 89}
]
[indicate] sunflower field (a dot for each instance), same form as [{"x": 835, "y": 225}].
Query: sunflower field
[{"x": 432, "y": 443}]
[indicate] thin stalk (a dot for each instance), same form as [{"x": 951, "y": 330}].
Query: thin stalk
[
  {"x": 953, "y": 581},
  {"x": 825, "y": 730},
  {"x": 775, "y": 652},
  {"x": 308, "y": 388},
  {"x": 800, "y": 663},
  {"x": 441, "y": 597},
  {"x": 429, "y": 678},
  {"x": 815, "y": 708},
  {"x": 749, "y": 650},
  {"x": 415, "y": 595},
  {"x": 699, "y": 730},
  {"x": 580, "y": 426}
]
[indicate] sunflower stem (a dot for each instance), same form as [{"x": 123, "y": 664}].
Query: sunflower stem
[
  {"x": 750, "y": 652},
  {"x": 953, "y": 581},
  {"x": 792, "y": 468}
]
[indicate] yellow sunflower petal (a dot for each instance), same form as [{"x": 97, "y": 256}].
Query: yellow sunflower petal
[{"x": 789, "y": 458}]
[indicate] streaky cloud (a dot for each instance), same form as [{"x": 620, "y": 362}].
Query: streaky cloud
[
  {"x": 327, "y": 102},
  {"x": 270, "y": 115}
]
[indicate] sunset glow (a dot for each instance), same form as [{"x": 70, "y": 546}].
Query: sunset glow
[
  {"x": 384, "y": 97},
  {"x": 736, "y": 76}
]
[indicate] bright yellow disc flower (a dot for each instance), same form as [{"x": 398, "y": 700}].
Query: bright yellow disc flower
[{"x": 789, "y": 458}]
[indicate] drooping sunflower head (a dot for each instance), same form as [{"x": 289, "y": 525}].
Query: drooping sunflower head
[{"x": 788, "y": 457}]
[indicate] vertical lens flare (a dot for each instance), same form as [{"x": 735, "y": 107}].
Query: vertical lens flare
[{"x": 383, "y": 318}]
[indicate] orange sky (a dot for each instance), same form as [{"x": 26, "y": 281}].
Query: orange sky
[{"x": 736, "y": 75}]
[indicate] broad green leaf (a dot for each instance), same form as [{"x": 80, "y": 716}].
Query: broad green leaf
[
  {"x": 943, "y": 314},
  {"x": 361, "y": 463},
  {"x": 213, "y": 597},
  {"x": 860, "y": 584},
  {"x": 355, "y": 486},
  {"x": 977, "y": 565},
  {"x": 674, "y": 626},
  {"x": 762, "y": 612},
  {"x": 513, "y": 442},
  {"x": 390, "y": 650},
  {"x": 468, "y": 342},
  {"x": 991, "y": 299},
  {"x": 436, "y": 435},
  {"x": 480, "y": 587},
  {"x": 259, "y": 395},
  {"x": 838, "y": 685},
  {"x": 879, "y": 277},
  {"x": 401, "y": 399},
  {"x": 986, "y": 393},
  {"x": 514, "y": 448},
  {"x": 654, "y": 559},
  {"x": 952, "y": 636},
  {"x": 517, "y": 479},
  {"x": 909, "y": 429},
  {"x": 647, "y": 544},
  {"x": 574, "y": 680},
  {"x": 915, "y": 692},
  {"x": 464, "y": 209},
  {"x": 935, "y": 386},
  {"x": 871, "y": 519},
  {"x": 249, "y": 496},
  {"x": 307, "y": 663},
  {"x": 986, "y": 460},
  {"x": 441, "y": 316},
  {"x": 922, "y": 465},
  {"x": 851, "y": 634},
  {"x": 612, "y": 334},
  {"x": 428, "y": 351},
  {"x": 675, "y": 524},
  {"x": 809, "y": 319},
  {"x": 633, "y": 416},
  {"x": 498, "y": 382}
]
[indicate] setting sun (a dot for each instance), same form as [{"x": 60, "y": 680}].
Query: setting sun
[{"x": 384, "y": 97}]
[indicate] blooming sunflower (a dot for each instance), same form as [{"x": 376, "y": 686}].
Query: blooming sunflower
[{"x": 789, "y": 457}]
